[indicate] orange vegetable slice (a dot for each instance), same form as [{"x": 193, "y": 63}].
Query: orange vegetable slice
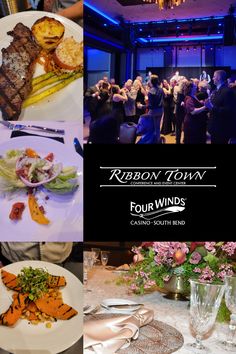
[
  {"x": 35, "y": 212},
  {"x": 31, "y": 153}
]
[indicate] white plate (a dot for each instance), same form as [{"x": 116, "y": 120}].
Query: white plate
[
  {"x": 31, "y": 339},
  {"x": 108, "y": 305},
  {"x": 64, "y": 105},
  {"x": 64, "y": 211}
]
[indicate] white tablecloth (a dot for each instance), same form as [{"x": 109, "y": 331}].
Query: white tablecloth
[{"x": 102, "y": 284}]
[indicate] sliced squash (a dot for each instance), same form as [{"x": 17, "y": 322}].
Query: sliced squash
[{"x": 35, "y": 212}]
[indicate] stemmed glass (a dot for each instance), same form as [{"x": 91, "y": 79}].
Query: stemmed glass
[
  {"x": 88, "y": 265},
  {"x": 205, "y": 300},
  {"x": 104, "y": 258},
  {"x": 96, "y": 254},
  {"x": 230, "y": 301}
]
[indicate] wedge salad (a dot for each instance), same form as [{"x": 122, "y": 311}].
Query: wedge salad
[{"x": 26, "y": 171}]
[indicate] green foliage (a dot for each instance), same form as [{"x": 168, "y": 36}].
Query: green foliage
[{"x": 33, "y": 282}]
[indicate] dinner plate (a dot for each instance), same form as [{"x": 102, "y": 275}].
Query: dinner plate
[
  {"x": 124, "y": 305},
  {"x": 65, "y": 212},
  {"x": 65, "y": 104},
  {"x": 34, "y": 339}
]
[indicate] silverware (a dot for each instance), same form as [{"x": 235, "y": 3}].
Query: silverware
[
  {"x": 25, "y": 126},
  {"x": 86, "y": 310},
  {"x": 121, "y": 305}
]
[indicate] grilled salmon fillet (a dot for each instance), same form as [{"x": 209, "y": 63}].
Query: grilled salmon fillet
[{"x": 16, "y": 71}]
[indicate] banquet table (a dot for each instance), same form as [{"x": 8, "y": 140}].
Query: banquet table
[
  {"x": 72, "y": 129},
  {"x": 102, "y": 284}
]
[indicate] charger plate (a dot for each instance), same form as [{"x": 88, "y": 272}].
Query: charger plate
[{"x": 155, "y": 338}]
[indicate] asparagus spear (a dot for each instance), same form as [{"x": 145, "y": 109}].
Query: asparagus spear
[{"x": 38, "y": 97}]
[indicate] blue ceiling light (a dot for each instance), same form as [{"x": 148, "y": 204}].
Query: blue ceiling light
[
  {"x": 101, "y": 13},
  {"x": 143, "y": 40},
  {"x": 181, "y": 20},
  {"x": 180, "y": 39},
  {"x": 103, "y": 40}
]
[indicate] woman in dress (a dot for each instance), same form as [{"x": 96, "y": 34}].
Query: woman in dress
[
  {"x": 167, "y": 103},
  {"x": 179, "y": 108},
  {"x": 195, "y": 120},
  {"x": 155, "y": 104},
  {"x": 118, "y": 98},
  {"x": 141, "y": 94}
]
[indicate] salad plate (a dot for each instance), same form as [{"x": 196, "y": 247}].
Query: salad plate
[
  {"x": 64, "y": 211},
  {"x": 30, "y": 339},
  {"x": 65, "y": 104}
]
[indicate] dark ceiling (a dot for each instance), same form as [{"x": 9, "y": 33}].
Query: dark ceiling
[
  {"x": 133, "y": 32},
  {"x": 138, "y": 11}
]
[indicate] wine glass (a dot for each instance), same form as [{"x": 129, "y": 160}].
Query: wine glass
[
  {"x": 88, "y": 260},
  {"x": 205, "y": 300},
  {"x": 96, "y": 254},
  {"x": 104, "y": 258},
  {"x": 230, "y": 301}
]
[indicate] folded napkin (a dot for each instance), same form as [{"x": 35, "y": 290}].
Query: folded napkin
[
  {"x": 17, "y": 133},
  {"x": 123, "y": 267},
  {"x": 106, "y": 336}
]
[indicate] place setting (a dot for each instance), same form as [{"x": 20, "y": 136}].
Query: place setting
[{"x": 132, "y": 311}]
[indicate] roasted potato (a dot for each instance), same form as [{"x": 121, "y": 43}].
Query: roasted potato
[
  {"x": 48, "y": 32},
  {"x": 69, "y": 54}
]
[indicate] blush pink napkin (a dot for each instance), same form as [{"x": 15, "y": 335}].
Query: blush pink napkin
[{"x": 106, "y": 336}]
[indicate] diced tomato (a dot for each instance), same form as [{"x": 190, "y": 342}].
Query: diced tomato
[
  {"x": 16, "y": 211},
  {"x": 50, "y": 157}
]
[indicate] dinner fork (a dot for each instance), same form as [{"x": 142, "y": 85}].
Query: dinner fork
[{"x": 24, "y": 126}]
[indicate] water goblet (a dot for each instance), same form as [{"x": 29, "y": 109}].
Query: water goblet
[
  {"x": 230, "y": 301},
  {"x": 205, "y": 300},
  {"x": 96, "y": 254},
  {"x": 88, "y": 261},
  {"x": 104, "y": 258}
]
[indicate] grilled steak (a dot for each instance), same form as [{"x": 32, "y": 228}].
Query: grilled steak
[{"x": 16, "y": 71}]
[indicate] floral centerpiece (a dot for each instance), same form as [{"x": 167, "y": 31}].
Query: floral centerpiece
[{"x": 156, "y": 262}]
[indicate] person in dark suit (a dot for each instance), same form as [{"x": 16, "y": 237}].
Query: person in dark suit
[
  {"x": 222, "y": 106},
  {"x": 91, "y": 99}
]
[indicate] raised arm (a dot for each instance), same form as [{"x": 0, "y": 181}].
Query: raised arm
[{"x": 73, "y": 12}]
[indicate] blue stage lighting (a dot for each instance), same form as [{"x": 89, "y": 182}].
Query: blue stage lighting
[
  {"x": 180, "y": 39},
  {"x": 101, "y": 13},
  {"x": 103, "y": 40}
]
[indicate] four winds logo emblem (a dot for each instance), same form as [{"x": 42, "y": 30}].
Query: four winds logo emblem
[{"x": 156, "y": 214}]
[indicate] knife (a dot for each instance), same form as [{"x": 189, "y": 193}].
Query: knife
[
  {"x": 121, "y": 305},
  {"x": 17, "y": 126}
]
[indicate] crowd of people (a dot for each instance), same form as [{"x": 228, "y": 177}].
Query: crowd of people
[{"x": 189, "y": 109}]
